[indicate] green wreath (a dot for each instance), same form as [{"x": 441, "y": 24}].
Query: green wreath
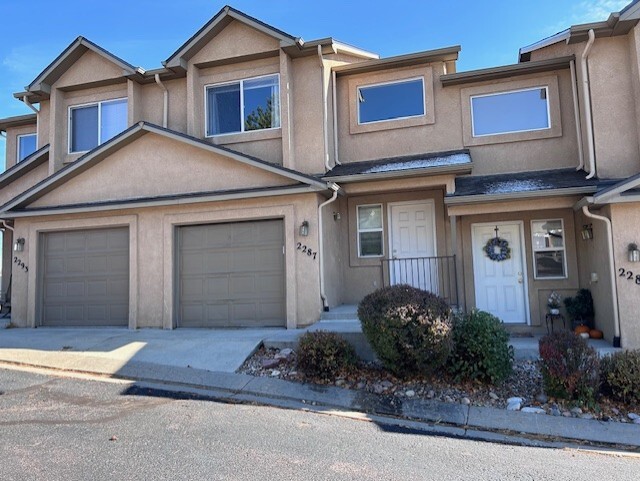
[{"x": 502, "y": 254}]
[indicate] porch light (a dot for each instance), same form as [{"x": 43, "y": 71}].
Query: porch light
[
  {"x": 634, "y": 253},
  {"x": 336, "y": 216},
  {"x": 304, "y": 228},
  {"x": 18, "y": 246},
  {"x": 587, "y": 232}
]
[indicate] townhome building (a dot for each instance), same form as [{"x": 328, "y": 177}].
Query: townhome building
[{"x": 258, "y": 179}]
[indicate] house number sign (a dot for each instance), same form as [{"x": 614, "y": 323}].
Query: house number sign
[
  {"x": 629, "y": 275},
  {"x": 306, "y": 250},
  {"x": 20, "y": 264}
]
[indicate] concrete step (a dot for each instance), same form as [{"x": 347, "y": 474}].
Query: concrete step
[{"x": 341, "y": 313}]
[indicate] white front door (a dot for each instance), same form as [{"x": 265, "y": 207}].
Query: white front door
[
  {"x": 500, "y": 286},
  {"x": 412, "y": 244}
]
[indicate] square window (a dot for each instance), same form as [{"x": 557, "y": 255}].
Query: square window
[
  {"x": 370, "y": 243},
  {"x": 27, "y": 145},
  {"x": 389, "y": 101},
  {"x": 250, "y": 104},
  {"x": 510, "y": 112},
  {"x": 94, "y": 124},
  {"x": 549, "y": 258}
]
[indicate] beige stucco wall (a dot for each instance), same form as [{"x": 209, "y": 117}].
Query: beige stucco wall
[
  {"x": 594, "y": 260},
  {"x": 153, "y": 101},
  {"x": 11, "y": 143},
  {"x": 154, "y": 165},
  {"x": 626, "y": 229},
  {"x": 152, "y": 268},
  {"x": 510, "y": 154},
  {"x": 23, "y": 182},
  {"x": 537, "y": 290},
  {"x": 90, "y": 68}
]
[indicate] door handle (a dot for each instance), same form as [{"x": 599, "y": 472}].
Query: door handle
[{"x": 520, "y": 278}]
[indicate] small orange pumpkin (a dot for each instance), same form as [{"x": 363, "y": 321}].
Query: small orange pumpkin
[
  {"x": 595, "y": 334},
  {"x": 581, "y": 329}
]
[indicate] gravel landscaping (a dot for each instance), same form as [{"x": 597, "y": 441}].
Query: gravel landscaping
[{"x": 521, "y": 391}]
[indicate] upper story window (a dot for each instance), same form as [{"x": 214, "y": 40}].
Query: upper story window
[
  {"x": 549, "y": 259},
  {"x": 93, "y": 124},
  {"x": 391, "y": 100},
  {"x": 510, "y": 112},
  {"x": 370, "y": 230},
  {"x": 27, "y": 145},
  {"x": 244, "y": 105}
]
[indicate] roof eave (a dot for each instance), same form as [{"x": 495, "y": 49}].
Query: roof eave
[
  {"x": 465, "y": 168},
  {"x": 18, "y": 121},
  {"x": 506, "y": 71},
  {"x": 486, "y": 198}
]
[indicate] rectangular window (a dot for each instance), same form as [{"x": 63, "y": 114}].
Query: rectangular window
[
  {"x": 249, "y": 104},
  {"x": 93, "y": 124},
  {"x": 510, "y": 112},
  {"x": 549, "y": 259},
  {"x": 393, "y": 100},
  {"x": 27, "y": 145},
  {"x": 370, "y": 230}
]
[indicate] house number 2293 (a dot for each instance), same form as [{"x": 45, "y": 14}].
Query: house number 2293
[
  {"x": 629, "y": 275},
  {"x": 306, "y": 250}
]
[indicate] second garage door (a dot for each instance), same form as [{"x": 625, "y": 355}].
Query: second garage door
[
  {"x": 231, "y": 275},
  {"x": 85, "y": 278}
]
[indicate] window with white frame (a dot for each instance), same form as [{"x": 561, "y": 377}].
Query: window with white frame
[
  {"x": 370, "y": 230},
  {"x": 549, "y": 252},
  {"x": 244, "y": 105},
  {"x": 391, "y": 100},
  {"x": 27, "y": 145},
  {"x": 93, "y": 124},
  {"x": 510, "y": 112}
]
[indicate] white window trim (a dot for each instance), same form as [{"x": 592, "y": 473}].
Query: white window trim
[
  {"x": 89, "y": 104},
  {"x": 505, "y": 92},
  {"x": 378, "y": 229},
  {"x": 391, "y": 82},
  {"x": 549, "y": 249},
  {"x": 18, "y": 137},
  {"x": 241, "y": 83}
]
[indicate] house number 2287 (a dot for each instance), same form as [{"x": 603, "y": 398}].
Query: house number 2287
[
  {"x": 629, "y": 275},
  {"x": 306, "y": 250}
]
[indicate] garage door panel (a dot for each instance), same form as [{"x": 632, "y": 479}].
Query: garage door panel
[
  {"x": 85, "y": 280},
  {"x": 241, "y": 270}
]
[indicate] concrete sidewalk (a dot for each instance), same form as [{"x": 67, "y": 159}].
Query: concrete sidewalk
[{"x": 146, "y": 357}]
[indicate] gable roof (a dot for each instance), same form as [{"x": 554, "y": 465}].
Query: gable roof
[
  {"x": 29, "y": 163},
  {"x": 40, "y": 88},
  {"x": 101, "y": 152},
  {"x": 17, "y": 121},
  {"x": 219, "y": 21},
  {"x": 616, "y": 191}
]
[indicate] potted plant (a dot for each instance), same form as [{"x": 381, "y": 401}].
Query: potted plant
[
  {"x": 634, "y": 253},
  {"x": 553, "y": 302},
  {"x": 580, "y": 308}
]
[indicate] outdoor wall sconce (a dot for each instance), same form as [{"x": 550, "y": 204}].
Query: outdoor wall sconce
[
  {"x": 304, "y": 228},
  {"x": 634, "y": 253},
  {"x": 587, "y": 232},
  {"x": 18, "y": 246},
  {"x": 336, "y": 216}
]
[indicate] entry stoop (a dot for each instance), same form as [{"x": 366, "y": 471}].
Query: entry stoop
[{"x": 346, "y": 312}]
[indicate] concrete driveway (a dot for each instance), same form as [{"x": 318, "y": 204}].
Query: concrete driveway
[{"x": 220, "y": 350}]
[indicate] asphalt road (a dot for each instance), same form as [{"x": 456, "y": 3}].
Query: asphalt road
[{"x": 55, "y": 428}]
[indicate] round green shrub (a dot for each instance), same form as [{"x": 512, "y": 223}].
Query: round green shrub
[
  {"x": 481, "y": 348},
  {"x": 570, "y": 367},
  {"x": 409, "y": 329},
  {"x": 324, "y": 354},
  {"x": 621, "y": 376}
]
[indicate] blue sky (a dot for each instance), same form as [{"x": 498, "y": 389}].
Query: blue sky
[{"x": 145, "y": 32}]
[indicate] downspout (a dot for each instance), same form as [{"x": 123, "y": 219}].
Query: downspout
[
  {"x": 335, "y": 120},
  {"x": 323, "y": 295},
  {"x": 28, "y": 104},
  {"x": 612, "y": 271},
  {"x": 586, "y": 96},
  {"x": 6, "y": 226},
  {"x": 576, "y": 112},
  {"x": 165, "y": 111},
  {"x": 325, "y": 114}
]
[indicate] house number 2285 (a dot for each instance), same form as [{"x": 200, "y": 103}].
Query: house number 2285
[
  {"x": 306, "y": 250},
  {"x": 629, "y": 275}
]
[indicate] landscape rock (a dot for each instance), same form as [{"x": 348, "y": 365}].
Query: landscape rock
[
  {"x": 636, "y": 421},
  {"x": 587, "y": 416},
  {"x": 566, "y": 414},
  {"x": 431, "y": 394},
  {"x": 410, "y": 393},
  {"x": 448, "y": 399},
  {"x": 514, "y": 400},
  {"x": 542, "y": 398},
  {"x": 514, "y": 406},
  {"x": 577, "y": 411},
  {"x": 633, "y": 416},
  {"x": 533, "y": 410},
  {"x": 466, "y": 401},
  {"x": 494, "y": 396},
  {"x": 275, "y": 373},
  {"x": 270, "y": 363}
]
